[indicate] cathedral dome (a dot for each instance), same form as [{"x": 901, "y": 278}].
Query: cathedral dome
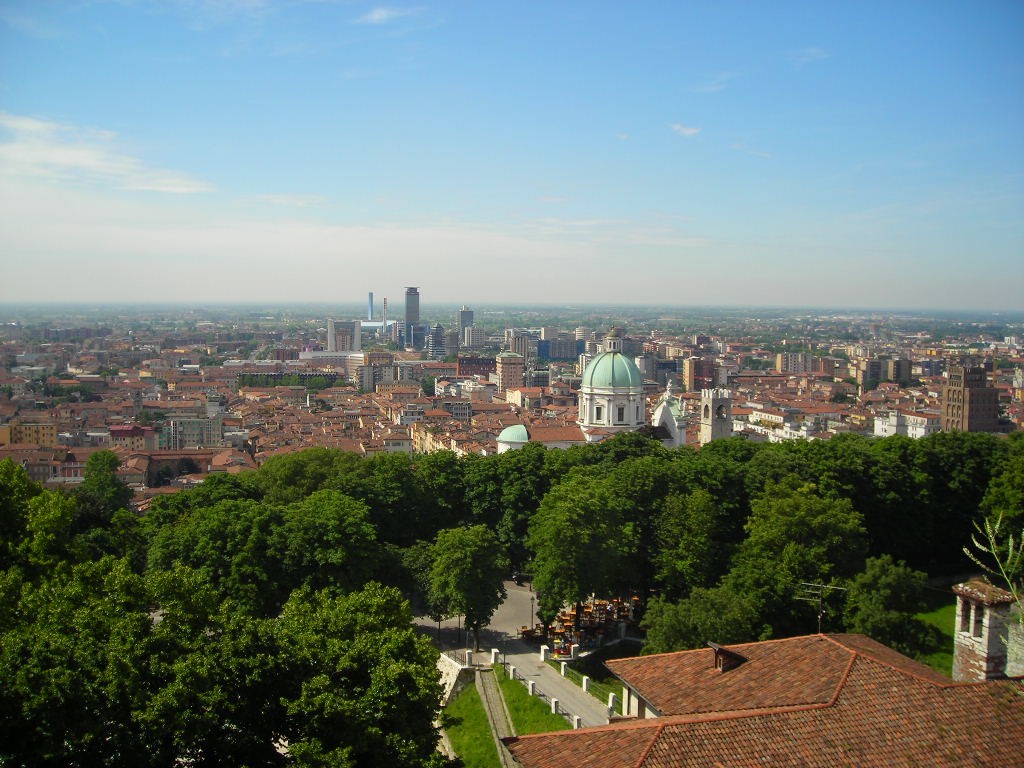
[{"x": 612, "y": 370}]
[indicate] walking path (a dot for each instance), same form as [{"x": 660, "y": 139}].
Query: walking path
[
  {"x": 497, "y": 713},
  {"x": 513, "y": 613},
  {"x": 571, "y": 697}
]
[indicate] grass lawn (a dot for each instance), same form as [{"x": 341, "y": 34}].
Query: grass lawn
[
  {"x": 941, "y": 614},
  {"x": 465, "y": 722},
  {"x": 530, "y": 714}
]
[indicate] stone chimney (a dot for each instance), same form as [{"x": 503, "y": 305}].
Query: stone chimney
[{"x": 988, "y": 637}]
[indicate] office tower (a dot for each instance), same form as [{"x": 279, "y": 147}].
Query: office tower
[
  {"x": 332, "y": 344},
  {"x": 435, "y": 343},
  {"x": 412, "y": 315},
  {"x": 474, "y": 337},
  {"x": 465, "y": 319},
  {"x": 369, "y": 307},
  {"x": 347, "y": 336},
  {"x": 452, "y": 341}
]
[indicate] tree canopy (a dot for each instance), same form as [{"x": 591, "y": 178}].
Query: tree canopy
[{"x": 265, "y": 616}]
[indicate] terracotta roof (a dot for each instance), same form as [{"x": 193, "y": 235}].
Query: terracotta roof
[
  {"x": 870, "y": 707},
  {"x": 982, "y": 591},
  {"x": 556, "y": 433}
]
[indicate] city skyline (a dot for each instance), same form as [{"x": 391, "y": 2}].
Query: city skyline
[{"x": 796, "y": 154}]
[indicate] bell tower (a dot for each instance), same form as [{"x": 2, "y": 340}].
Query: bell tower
[{"x": 715, "y": 415}]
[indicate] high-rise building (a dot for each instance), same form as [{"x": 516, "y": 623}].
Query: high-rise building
[
  {"x": 348, "y": 335},
  {"x": 898, "y": 369},
  {"x": 435, "y": 343},
  {"x": 510, "y": 368},
  {"x": 465, "y": 320},
  {"x": 474, "y": 337},
  {"x": 343, "y": 336},
  {"x": 452, "y": 341},
  {"x": 412, "y": 315},
  {"x": 793, "y": 362},
  {"x": 697, "y": 374},
  {"x": 968, "y": 403},
  {"x": 521, "y": 342}
]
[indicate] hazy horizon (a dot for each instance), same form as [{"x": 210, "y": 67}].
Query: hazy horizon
[{"x": 790, "y": 154}]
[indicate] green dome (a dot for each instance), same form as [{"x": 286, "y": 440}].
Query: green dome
[
  {"x": 612, "y": 370},
  {"x": 515, "y": 434}
]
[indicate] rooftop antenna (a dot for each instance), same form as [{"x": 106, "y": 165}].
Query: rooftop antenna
[{"x": 815, "y": 593}]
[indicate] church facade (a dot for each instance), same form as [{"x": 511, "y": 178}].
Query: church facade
[{"x": 611, "y": 395}]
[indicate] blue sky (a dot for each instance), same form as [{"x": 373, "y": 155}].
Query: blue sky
[{"x": 806, "y": 154}]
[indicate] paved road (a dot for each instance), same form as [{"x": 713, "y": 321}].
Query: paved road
[{"x": 503, "y": 633}]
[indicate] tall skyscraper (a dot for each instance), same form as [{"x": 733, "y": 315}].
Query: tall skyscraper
[
  {"x": 369, "y": 307},
  {"x": 465, "y": 320},
  {"x": 332, "y": 344},
  {"x": 412, "y": 315}
]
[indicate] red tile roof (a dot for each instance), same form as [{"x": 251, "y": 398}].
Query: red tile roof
[{"x": 822, "y": 700}]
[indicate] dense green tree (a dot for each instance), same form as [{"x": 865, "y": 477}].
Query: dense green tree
[
  {"x": 441, "y": 475},
  {"x": 327, "y": 540},
  {"x": 959, "y": 467},
  {"x": 15, "y": 491},
  {"x": 293, "y": 476},
  {"x": 360, "y": 686},
  {"x": 773, "y": 464},
  {"x": 627, "y": 445},
  {"x": 101, "y": 492},
  {"x": 688, "y": 547},
  {"x": 1005, "y": 493},
  {"x": 881, "y": 603},
  {"x": 467, "y": 576},
  {"x": 581, "y": 540},
  {"x": 48, "y": 540},
  {"x": 417, "y": 562},
  {"x": 72, "y": 670},
  {"x": 717, "y": 615},
  {"x": 795, "y": 536},
  {"x": 236, "y": 546},
  {"x": 896, "y": 509},
  {"x": 504, "y": 492},
  {"x": 105, "y": 668},
  {"x": 388, "y": 485}
]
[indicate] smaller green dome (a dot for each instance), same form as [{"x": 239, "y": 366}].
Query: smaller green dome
[{"x": 515, "y": 434}]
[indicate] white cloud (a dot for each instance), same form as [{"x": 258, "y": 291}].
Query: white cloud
[
  {"x": 292, "y": 201},
  {"x": 385, "y": 15},
  {"x": 685, "y": 130},
  {"x": 21, "y": 22},
  {"x": 715, "y": 83},
  {"x": 808, "y": 56},
  {"x": 54, "y": 152},
  {"x": 755, "y": 152}
]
